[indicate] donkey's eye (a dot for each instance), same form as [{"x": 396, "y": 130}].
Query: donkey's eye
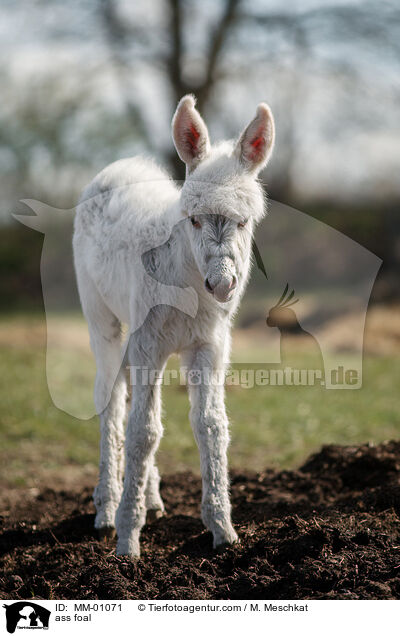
[
  {"x": 241, "y": 224},
  {"x": 195, "y": 222}
]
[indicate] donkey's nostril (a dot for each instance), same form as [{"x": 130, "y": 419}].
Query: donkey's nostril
[
  {"x": 208, "y": 286},
  {"x": 233, "y": 283}
]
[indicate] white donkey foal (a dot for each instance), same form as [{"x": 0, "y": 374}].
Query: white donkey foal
[{"x": 122, "y": 256}]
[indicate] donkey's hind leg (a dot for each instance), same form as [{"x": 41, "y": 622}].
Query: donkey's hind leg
[
  {"x": 110, "y": 401},
  {"x": 107, "y": 493},
  {"x": 154, "y": 503}
]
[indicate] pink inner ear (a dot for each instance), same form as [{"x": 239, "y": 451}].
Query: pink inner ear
[
  {"x": 192, "y": 136},
  {"x": 257, "y": 141},
  {"x": 257, "y": 144}
]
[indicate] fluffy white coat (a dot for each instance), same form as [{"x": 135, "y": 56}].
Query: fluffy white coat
[{"x": 172, "y": 263}]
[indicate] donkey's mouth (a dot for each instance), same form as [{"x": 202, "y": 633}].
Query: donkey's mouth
[{"x": 227, "y": 299}]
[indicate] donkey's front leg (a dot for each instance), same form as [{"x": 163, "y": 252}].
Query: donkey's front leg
[
  {"x": 142, "y": 439},
  {"x": 210, "y": 426}
]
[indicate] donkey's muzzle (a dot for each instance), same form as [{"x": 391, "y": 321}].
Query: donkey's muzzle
[{"x": 223, "y": 291}]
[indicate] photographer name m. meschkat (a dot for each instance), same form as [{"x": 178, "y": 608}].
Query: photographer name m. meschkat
[{"x": 290, "y": 607}]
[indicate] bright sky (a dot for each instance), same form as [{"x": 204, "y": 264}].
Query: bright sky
[{"x": 346, "y": 131}]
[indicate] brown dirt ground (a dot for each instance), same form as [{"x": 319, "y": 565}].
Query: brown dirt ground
[{"x": 329, "y": 530}]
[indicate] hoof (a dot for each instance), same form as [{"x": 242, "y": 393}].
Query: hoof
[
  {"x": 131, "y": 557},
  {"x": 106, "y": 533},
  {"x": 132, "y": 554},
  {"x": 221, "y": 547},
  {"x": 153, "y": 515},
  {"x": 230, "y": 538}
]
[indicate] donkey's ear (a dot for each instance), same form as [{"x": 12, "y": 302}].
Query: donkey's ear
[
  {"x": 190, "y": 133},
  {"x": 256, "y": 142}
]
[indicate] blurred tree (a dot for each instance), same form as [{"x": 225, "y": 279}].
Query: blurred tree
[
  {"x": 201, "y": 49},
  {"x": 69, "y": 117},
  {"x": 100, "y": 80},
  {"x": 172, "y": 60}
]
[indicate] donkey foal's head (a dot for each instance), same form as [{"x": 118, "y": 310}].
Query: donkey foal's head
[{"x": 221, "y": 196}]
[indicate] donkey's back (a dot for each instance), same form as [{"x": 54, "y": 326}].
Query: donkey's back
[
  {"x": 129, "y": 191},
  {"x": 121, "y": 214}
]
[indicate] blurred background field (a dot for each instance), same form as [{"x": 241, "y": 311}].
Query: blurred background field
[
  {"x": 87, "y": 82},
  {"x": 270, "y": 426}
]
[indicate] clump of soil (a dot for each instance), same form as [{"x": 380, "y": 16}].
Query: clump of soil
[{"x": 328, "y": 530}]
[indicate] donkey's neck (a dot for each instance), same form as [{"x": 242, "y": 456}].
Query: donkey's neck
[{"x": 183, "y": 258}]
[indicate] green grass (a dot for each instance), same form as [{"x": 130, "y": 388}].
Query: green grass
[{"x": 276, "y": 426}]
